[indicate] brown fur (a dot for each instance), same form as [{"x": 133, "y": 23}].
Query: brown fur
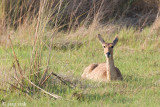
[{"x": 104, "y": 71}]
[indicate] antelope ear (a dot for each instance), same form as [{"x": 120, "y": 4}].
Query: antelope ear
[
  {"x": 115, "y": 41},
  {"x": 101, "y": 39}
]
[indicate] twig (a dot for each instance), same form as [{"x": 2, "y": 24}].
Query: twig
[
  {"x": 62, "y": 80},
  {"x": 49, "y": 55},
  {"x": 17, "y": 87},
  {"x": 16, "y": 76},
  {"x": 17, "y": 81},
  {"x": 51, "y": 94},
  {"x": 15, "y": 57},
  {"x": 46, "y": 79}
]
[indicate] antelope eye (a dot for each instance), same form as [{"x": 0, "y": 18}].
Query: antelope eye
[
  {"x": 104, "y": 46},
  {"x": 112, "y": 46}
]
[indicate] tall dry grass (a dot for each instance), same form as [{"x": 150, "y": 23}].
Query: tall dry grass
[
  {"x": 66, "y": 15},
  {"x": 78, "y": 12}
]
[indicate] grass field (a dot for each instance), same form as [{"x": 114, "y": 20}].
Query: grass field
[{"x": 139, "y": 67}]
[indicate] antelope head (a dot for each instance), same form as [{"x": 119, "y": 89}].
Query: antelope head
[{"x": 108, "y": 47}]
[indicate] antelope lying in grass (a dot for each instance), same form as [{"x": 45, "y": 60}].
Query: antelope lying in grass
[{"x": 104, "y": 71}]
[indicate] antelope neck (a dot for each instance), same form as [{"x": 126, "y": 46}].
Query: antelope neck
[
  {"x": 110, "y": 63},
  {"x": 110, "y": 68}
]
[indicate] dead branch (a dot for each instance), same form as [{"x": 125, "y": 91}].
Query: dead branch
[
  {"x": 51, "y": 94},
  {"x": 46, "y": 79},
  {"x": 17, "y": 81},
  {"x": 15, "y": 57},
  {"x": 63, "y": 81},
  {"x": 15, "y": 87},
  {"x": 49, "y": 55}
]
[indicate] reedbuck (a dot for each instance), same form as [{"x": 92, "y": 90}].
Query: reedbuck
[{"x": 104, "y": 71}]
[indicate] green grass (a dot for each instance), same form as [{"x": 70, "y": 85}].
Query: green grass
[{"x": 140, "y": 69}]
